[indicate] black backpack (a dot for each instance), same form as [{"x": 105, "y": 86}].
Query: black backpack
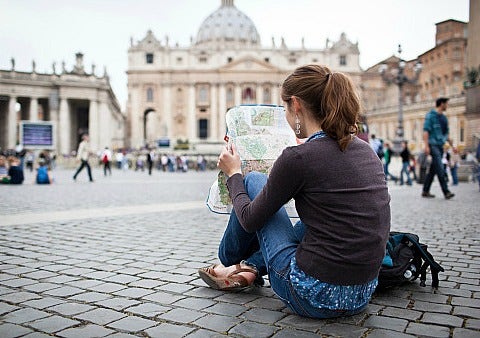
[{"x": 406, "y": 259}]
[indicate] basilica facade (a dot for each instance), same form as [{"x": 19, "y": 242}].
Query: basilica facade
[{"x": 182, "y": 93}]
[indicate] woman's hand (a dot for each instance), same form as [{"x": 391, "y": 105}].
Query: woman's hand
[{"x": 229, "y": 161}]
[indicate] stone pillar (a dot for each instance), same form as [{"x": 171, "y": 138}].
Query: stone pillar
[
  {"x": 12, "y": 123},
  {"x": 213, "y": 113},
  {"x": 275, "y": 94},
  {"x": 222, "y": 110},
  {"x": 166, "y": 127},
  {"x": 64, "y": 126},
  {"x": 93, "y": 125},
  {"x": 191, "y": 114},
  {"x": 259, "y": 94},
  {"x": 106, "y": 126},
  {"x": 238, "y": 95},
  {"x": 33, "y": 109}
]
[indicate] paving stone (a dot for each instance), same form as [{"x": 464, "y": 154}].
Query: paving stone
[
  {"x": 146, "y": 283},
  {"x": 201, "y": 333},
  {"x": 39, "y": 274},
  {"x": 432, "y": 307},
  {"x": 401, "y": 313},
  {"x": 466, "y": 311},
  {"x": 107, "y": 287},
  {"x": 165, "y": 330},
  {"x": 263, "y": 316},
  {"x": 91, "y": 297},
  {"x": 70, "y": 309},
  {"x": 175, "y": 288},
  {"x": 469, "y": 302},
  {"x": 6, "y": 308},
  {"x": 41, "y": 287},
  {"x": 18, "y": 297},
  {"x": 217, "y": 323},
  {"x": 428, "y": 330},
  {"x": 150, "y": 310},
  {"x": 132, "y": 292},
  {"x": 381, "y": 333},
  {"x": 388, "y": 323},
  {"x": 472, "y": 324},
  {"x": 442, "y": 319},
  {"x": 289, "y": 333},
  {"x": 163, "y": 297},
  {"x": 43, "y": 303},
  {"x": 100, "y": 316},
  {"x": 18, "y": 282},
  {"x": 226, "y": 309},
  {"x": 89, "y": 330},
  {"x": 8, "y": 330},
  {"x": 64, "y": 291},
  {"x": 181, "y": 315},
  {"x": 251, "y": 329},
  {"x": 194, "y": 303},
  {"x": 132, "y": 324},
  {"x": 302, "y": 323},
  {"x": 118, "y": 303},
  {"x": 37, "y": 335},
  {"x": 24, "y": 315},
  {"x": 342, "y": 330},
  {"x": 464, "y": 333},
  {"x": 53, "y": 324}
]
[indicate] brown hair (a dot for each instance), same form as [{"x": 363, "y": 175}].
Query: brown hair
[{"x": 330, "y": 97}]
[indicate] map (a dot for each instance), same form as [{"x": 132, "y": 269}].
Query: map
[{"x": 260, "y": 133}]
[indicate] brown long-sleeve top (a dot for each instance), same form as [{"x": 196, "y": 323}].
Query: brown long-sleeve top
[{"x": 343, "y": 199}]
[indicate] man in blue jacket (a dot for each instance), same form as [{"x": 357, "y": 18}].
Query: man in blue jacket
[{"x": 435, "y": 134}]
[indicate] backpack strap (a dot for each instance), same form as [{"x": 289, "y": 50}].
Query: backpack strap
[{"x": 435, "y": 268}]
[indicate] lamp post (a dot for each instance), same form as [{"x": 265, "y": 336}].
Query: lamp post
[{"x": 400, "y": 79}]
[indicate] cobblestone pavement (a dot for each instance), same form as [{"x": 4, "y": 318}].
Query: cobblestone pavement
[{"x": 118, "y": 258}]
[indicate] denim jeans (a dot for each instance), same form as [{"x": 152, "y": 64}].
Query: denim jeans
[
  {"x": 436, "y": 168},
  {"x": 89, "y": 170},
  {"x": 270, "y": 251},
  {"x": 453, "y": 172},
  {"x": 405, "y": 169}
]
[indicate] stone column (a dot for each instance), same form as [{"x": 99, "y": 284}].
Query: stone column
[
  {"x": 106, "y": 126},
  {"x": 275, "y": 94},
  {"x": 222, "y": 110},
  {"x": 191, "y": 115},
  {"x": 166, "y": 127},
  {"x": 64, "y": 126},
  {"x": 12, "y": 123},
  {"x": 238, "y": 95},
  {"x": 213, "y": 113},
  {"x": 93, "y": 125},
  {"x": 33, "y": 109},
  {"x": 258, "y": 94}
]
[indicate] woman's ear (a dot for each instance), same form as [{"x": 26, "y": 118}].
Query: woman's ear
[{"x": 297, "y": 105}]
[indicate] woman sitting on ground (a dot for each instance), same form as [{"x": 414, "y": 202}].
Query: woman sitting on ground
[
  {"x": 327, "y": 264},
  {"x": 44, "y": 175}
]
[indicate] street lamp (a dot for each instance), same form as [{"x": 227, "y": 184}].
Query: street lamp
[{"x": 400, "y": 79}]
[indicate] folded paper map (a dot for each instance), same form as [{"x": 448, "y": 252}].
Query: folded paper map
[{"x": 260, "y": 133}]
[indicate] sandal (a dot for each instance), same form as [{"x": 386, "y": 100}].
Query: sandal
[{"x": 232, "y": 282}]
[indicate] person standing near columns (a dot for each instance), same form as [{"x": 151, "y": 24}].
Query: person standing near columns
[
  {"x": 435, "y": 135},
  {"x": 82, "y": 154}
]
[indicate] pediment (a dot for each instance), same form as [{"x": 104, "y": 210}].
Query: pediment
[{"x": 248, "y": 64}]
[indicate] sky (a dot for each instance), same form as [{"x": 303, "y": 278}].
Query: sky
[{"x": 50, "y": 31}]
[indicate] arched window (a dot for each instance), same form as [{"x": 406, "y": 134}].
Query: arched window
[{"x": 248, "y": 95}]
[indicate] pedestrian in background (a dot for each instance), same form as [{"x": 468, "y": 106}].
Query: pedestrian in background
[
  {"x": 454, "y": 163},
  {"x": 313, "y": 266},
  {"x": 44, "y": 174},
  {"x": 387, "y": 158},
  {"x": 151, "y": 156},
  {"x": 15, "y": 170},
  {"x": 435, "y": 135},
  {"x": 83, "y": 153},
  {"x": 405, "y": 155},
  {"x": 106, "y": 160}
]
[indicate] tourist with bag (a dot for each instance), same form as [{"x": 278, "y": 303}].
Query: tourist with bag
[{"x": 327, "y": 264}]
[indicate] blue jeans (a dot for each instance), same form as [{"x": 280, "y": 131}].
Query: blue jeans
[
  {"x": 405, "y": 169},
  {"x": 270, "y": 251},
  {"x": 436, "y": 168},
  {"x": 453, "y": 172}
]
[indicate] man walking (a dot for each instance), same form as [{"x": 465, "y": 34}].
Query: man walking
[
  {"x": 435, "y": 134},
  {"x": 82, "y": 155}
]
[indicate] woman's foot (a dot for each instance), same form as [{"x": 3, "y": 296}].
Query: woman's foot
[{"x": 230, "y": 278}]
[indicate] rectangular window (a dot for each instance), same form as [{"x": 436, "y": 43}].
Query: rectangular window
[
  {"x": 203, "y": 94},
  {"x": 202, "y": 59},
  {"x": 462, "y": 132},
  {"x": 203, "y": 128},
  {"x": 149, "y": 94},
  {"x": 149, "y": 58},
  {"x": 343, "y": 60}
]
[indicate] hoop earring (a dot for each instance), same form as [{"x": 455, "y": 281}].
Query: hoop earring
[{"x": 297, "y": 125}]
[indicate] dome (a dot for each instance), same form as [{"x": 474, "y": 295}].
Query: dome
[{"x": 228, "y": 25}]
